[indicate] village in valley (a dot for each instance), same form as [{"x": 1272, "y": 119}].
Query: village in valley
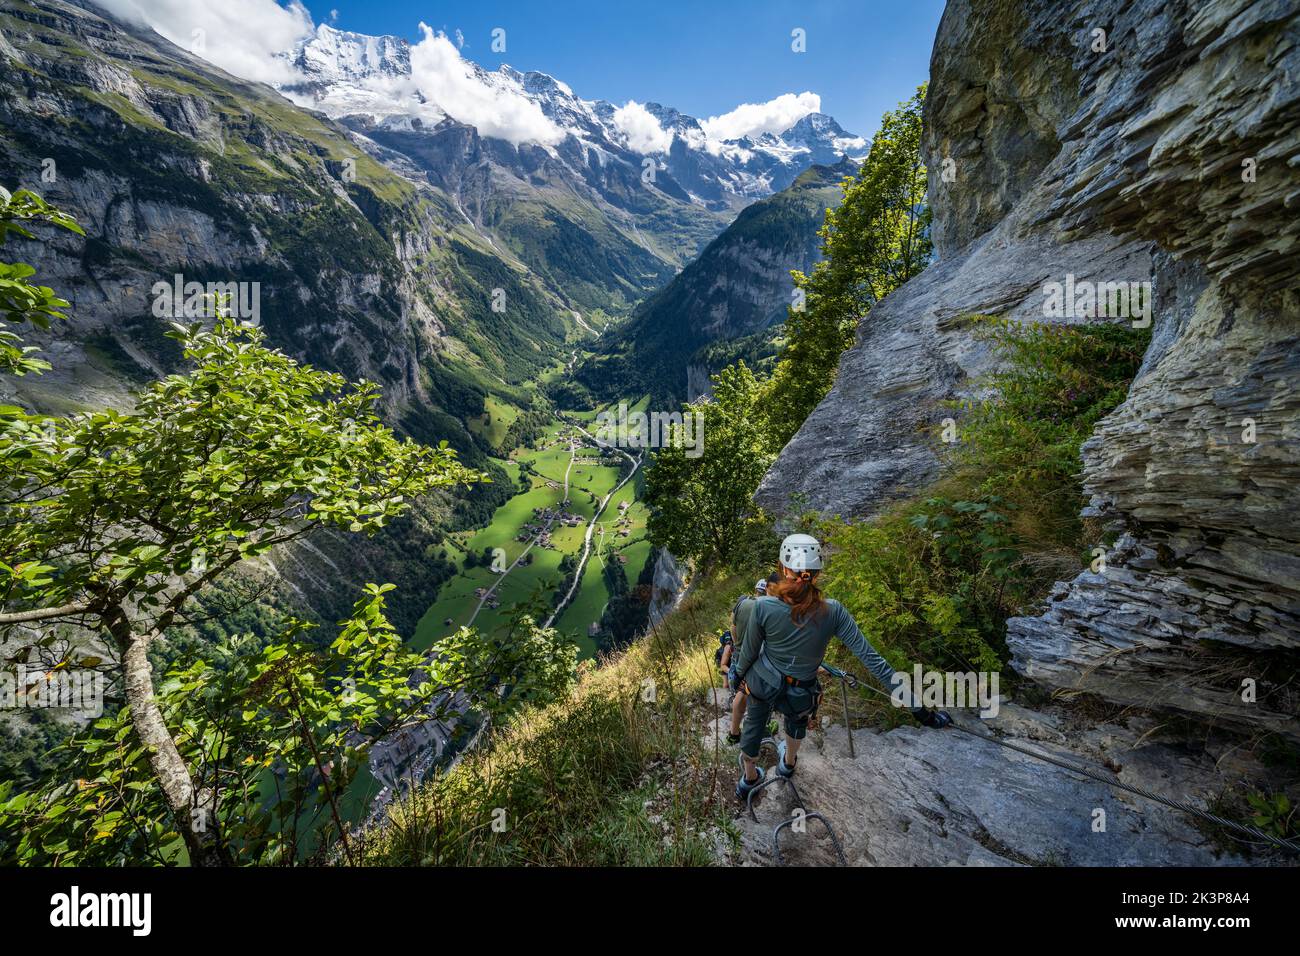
[{"x": 531, "y": 550}]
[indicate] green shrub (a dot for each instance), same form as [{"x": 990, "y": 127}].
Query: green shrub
[
  {"x": 931, "y": 583},
  {"x": 1022, "y": 442},
  {"x": 934, "y": 580}
]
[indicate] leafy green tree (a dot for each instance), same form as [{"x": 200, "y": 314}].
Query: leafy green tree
[
  {"x": 613, "y": 573},
  {"x": 702, "y": 507},
  {"x": 111, "y": 522},
  {"x": 874, "y": 241},
  {"x": 22, "y": 301},
  {"x": 276, "y": 735},
  {"x": 877, "y": 239}
]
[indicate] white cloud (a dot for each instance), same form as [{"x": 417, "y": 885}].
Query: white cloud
[
  {"x": 490, "y": 102},
  {"x": 641, "y": 130},
  {"x": 240, "y": 36},
  {"x": 754, "y": 119}
]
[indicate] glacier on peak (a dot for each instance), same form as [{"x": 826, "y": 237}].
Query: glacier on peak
[{"x": 396, "y": 83}]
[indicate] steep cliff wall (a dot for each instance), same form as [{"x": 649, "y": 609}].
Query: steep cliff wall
[{"x": 1153, "y": 141}]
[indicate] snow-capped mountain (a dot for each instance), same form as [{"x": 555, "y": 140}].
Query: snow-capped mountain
[
  {"x": 824, "y": 139},
  {"x": 385, "y": 84},
  {"x": 333, "y": 56}
]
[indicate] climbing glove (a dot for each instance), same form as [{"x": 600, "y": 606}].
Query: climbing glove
[{"x": 932, "y": 718}]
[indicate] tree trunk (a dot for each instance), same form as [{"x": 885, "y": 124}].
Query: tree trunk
[
  {"x": 320, "y": 769},
  {"x": 194, "y": 810}
]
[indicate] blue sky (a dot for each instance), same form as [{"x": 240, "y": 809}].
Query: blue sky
[{"x": 704, "y": 58}]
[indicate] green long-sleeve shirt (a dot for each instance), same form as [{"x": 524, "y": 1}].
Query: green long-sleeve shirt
[
  {"x": 740, "y": 612},
  {"x": 798, "y": 649}
]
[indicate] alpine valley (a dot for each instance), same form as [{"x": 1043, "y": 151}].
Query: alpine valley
[
  {"x": 378, "y": 229},
  {"x": 464, "y": 268},
  {"x": 459, "y": 288}
]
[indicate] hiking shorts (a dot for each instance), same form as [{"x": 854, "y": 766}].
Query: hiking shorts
[{"x": 767, "y": 692}]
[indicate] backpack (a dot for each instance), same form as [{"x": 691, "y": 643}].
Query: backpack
[{"x": 724, "y": 638}]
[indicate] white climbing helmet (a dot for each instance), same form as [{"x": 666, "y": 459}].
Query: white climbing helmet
[
  {"x": 761, "y": 586},
  {"x": 801, "y": 552}
]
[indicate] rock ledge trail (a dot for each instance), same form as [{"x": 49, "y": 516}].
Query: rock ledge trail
[{"x": 919, "y": 797}]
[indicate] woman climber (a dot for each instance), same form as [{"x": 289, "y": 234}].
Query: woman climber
[{"x": 782, "y": 646}]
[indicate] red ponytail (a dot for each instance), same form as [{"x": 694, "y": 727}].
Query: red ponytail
[{"x": 801, "y": 593}]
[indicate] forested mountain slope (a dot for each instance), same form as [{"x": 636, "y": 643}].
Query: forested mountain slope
[{"x": 738, "y": 286}]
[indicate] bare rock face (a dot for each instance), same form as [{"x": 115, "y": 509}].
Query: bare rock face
[
  {"x": 918, "y": 797},
  {"x": 1198, "y": 608},
  {"x": 666, "y": 586},
  {"x": 870, "y": 441},
  {"x": 1202, "y": 591},
  {"x": 1115, "y": 141},
  {"x": 995, "y": 164}
]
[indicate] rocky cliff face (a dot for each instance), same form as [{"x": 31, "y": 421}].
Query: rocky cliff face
[
  {"x": 914, "y": 797},
  {"x": 666, "y": 585},
  {"x": 1153, "y": 141}
]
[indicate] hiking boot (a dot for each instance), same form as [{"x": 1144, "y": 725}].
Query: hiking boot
[
  {"x": 745, "y": 787},
  {"x": 781, "y": 769}
]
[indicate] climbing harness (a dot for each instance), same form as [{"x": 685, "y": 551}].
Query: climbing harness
[
  {"x": 769, "y": 740},
  {"x": 1293, "y": 845}
]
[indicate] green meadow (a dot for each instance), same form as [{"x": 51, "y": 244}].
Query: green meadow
[{"x": 545, "y": 464}]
